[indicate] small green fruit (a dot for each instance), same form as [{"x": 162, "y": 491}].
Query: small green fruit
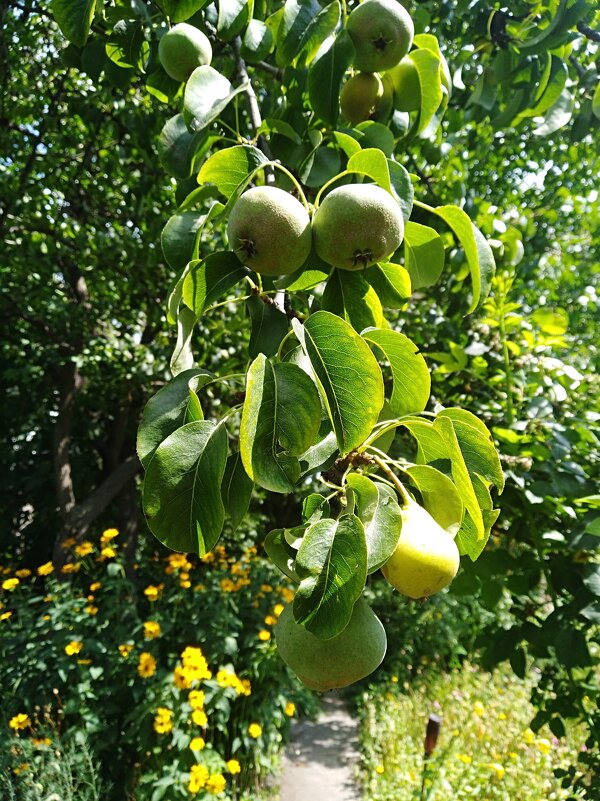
[
  {"x": 325, "y": 664},
  {"x": 426, "y": 558},
  {"x": 382, "y": 32},
  {"x": 269, "y": 230},
  {"x": 407, "y": 87},
  {"x": 360, "y": 95},
  {"x": 356, "y": 226},
  {"x": 182, "y": 49},
  {"x": 385, "y": 104}
]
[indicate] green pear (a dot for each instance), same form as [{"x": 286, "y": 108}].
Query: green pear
[
  {"x": 426, "y": 558},
  {"x": 182, "y": 49},
  {"x": 359, "y": 96},
  {"x": 325, "y": 664},
  {"x": 382, "y": 32}
]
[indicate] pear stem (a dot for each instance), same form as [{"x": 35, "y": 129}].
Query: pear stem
[{"x": 394, "y": 479}]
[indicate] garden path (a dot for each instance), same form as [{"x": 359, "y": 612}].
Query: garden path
[{"x": 319, "y": 761}]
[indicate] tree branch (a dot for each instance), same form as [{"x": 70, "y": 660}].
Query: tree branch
[{"x": 588, "y": 32}]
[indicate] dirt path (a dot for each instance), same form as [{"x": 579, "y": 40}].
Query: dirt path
[{"x": 320, "y": 758}]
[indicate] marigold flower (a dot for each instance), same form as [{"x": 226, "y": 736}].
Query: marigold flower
[
  {"x": 151, "y": 592},
  {"x": 91, "y": 609},
  {"x": 270, "y": 620},
  {"x": 196, "y": 699},
  {"x": 125, "y": 649},
  {"x": 74, "y": 647},
  {"x": 68, "y": 543},
  {"x": 287, "y": 594},
  {"x": 41, "y": 742},
  {"x": 255, "y": 730},
  {"x": 108, "y": 552},
  {"x": 146, "y": 665},
  {"x": 199, "y": 717},
  {"x": 109, "y": 534},
  {"x": 215, "y": 783},
  {"x": 19, "y": 722},
  {"x": 264, "y": 635},
  {"x": 233, "y": 766},
  {"x": 5, "y": 615},
  {"x": 278, "y": 609},
  {"x": 163, "y": 722},
  {"x": 95, "y": 586},
  {"x": 266, "y": 588},
  {"x": 84, "y": 549},
  {"x": 45, "y": 569},
  {"x": 198, "y": 777},
  {"x": 23, "y": 573},
  {"x": 70, "y": 567},
  {"x": 290, "y": 709},
  {"x": 24, "y": 766},
  {"x": 151, "y": 629},
  {"x": 10, "y": 584},
  {"x": 197, "y": 743}
]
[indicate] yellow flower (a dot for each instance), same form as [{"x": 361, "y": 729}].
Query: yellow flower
[
  {"x": 478, "y": 708},
  {"x": 23, "y": 573},
  {"x": 195, "y": 667},
  {"x": 290, "y": 709},
  {"x": 264, "y": 635},
  {"x": 19, "y": 722},
  {"x": 109, "y": 534},
  {"x": 91, "y": 610},
  {"x": 245, "y": 687},
  {"x": 394, "y": 679},
  {"x": 5, "y": 615},
  {"x": 215, "y": 783},
  {"x": 68, "y": 543},
  {"x": 255, "y": 730},
  {"x": 270, "y": 620},
  {"x": 278, "y": 609},
  {"x": 84, "y": 549},
  {"x": 287, "y": 594},
  {"x": 266, "y": 588},
  {"x": 464, "y": 758},
  {"x": 179, "y": 561},
  {"x": 185, "y": 584},
  {"x": 41, "y": 742},
  {"x": 10, "y": 584},
  {"x": 125, "y": 649},
  {"x": 497, "y": 768},
  {"x": 74, "y": 647},
  {"x": 146, "y": 665},
  {"x": 227, "y": 585},
  {"x": 379, "y": 769},
  {"x": 45, "y": 569},
  {"x": 528, "y": 736},
  {"x": 95, "y": 586},
  {"x": 198, "y": 777},
  {"x": 21, "y": 768},
  {"x": 233, "y": 766},
  {"x": 151, "y": 592},
  {"x": 199, "y": 717},
  {"x": 501, "y": 716},
  {"x": 151, "y": 629},
  {"x": 197, "y": 743},
  {"x": 196, "y": 699},
  {"x": 70, "y": 567},
  {"x": 108, "y": 552},
  {"x": 163, "y": 722},
  {"x": 544, "y": 745}
]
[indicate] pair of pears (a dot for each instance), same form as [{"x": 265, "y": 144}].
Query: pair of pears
[{"x": 425, "y": 560}]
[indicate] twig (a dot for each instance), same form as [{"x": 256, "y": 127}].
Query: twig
[{"x": 588, "y": 32}]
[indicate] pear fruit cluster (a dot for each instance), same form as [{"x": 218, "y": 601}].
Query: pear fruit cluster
[{"x": 355, "y": 226}]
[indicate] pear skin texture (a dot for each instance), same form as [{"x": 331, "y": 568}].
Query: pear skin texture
[
  {"x": 182, "y": 49},
  {"x": 360, "y": 95},
  {"x": 426, "y": 558},
  {"x": 356, "y": 226},
  {"x": 407, "y": 87},
  {"x": 382, "y": 33},
  {"x": 326, "y": 664},
  {"x": 270, "y": 231}
]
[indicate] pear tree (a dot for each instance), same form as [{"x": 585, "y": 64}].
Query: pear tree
[{"x": 307, "y": 225}]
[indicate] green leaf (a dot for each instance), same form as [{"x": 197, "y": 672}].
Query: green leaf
[
  {"x": 347, "y": 374},
  {"x": 469, "y": 539},
  {"x": 348, "y": 295},
  {"x": 272, "y": 125},
  {"x": 391, "y": 282},
  {"x": 558, "y": 115},
  {"x": 596, "y": 102},
  {"x": 178, "y": 238},
  {"x": 236, "y": 490},
  {"x": 257, "y": 43},
  {"x": 424, "y": 255},
  {"x": 232, "y": 17},
  {"x": 440, "y": 497},
  {"x": 207, "y": 93},
  {"x": 227, "y": 168},
  {"x": 379, "y": 511},
  {"x": 314, "y": 507},
  {"x": 477, "y": 446},
  {"x": 479, "y": 254},
  {"x": 377, "y": 136},
  {"x": 269, "y": 326},
  {"x": 207, "y": 280},
  {"x": 557, "y": 78},
  {"x": 280, "y": 420},
  {"x": 325, "y": 79},
  {"x": 551, "y": 321},
  {"x": 346, "y": 143},
  {"x": 304, "y": 26},
  {"x": 167, "y": 411},
  {"x": 177, "y": 147},
  {"x": 428, "y": 65},
  {"x": 125, "y": 42},
  {"x": 182, "y": 488},
  {"x": 180, "y": 10},
  {"x": 373, "y": 163},
  {"x": 74, "y": 18},
  {"x": 281, "y": 553},
  {"x": 332, "y": 567},
  {"x": 182, "y": 357},
  {"x": 402, "y": 188},
  {"x": 412, "y": 382}
]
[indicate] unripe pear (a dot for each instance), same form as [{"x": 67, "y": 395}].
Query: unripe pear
[
  {"x": 407, "y": 87},
  {"x": 270, "y": 231},
  {"x": 356, "y": 226},
  {"x": 182, "y": 49},
  {"x": 426, "y": 558},
  {"x": 325, "y": 664},
  {"x": 359, "y": 96},
  {"x": 382, "y": 32}
]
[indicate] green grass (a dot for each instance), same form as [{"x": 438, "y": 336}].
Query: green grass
[{"x": 485, "y": 751}]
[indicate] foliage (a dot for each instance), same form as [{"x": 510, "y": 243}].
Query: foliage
[
  {"x": 133, "y": 671},
  {"x": 485, "y": 747}
]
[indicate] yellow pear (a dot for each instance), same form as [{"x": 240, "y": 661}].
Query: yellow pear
[
  {"x": 324, "y": 664},
  {"x": 426, "y": 558}
]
